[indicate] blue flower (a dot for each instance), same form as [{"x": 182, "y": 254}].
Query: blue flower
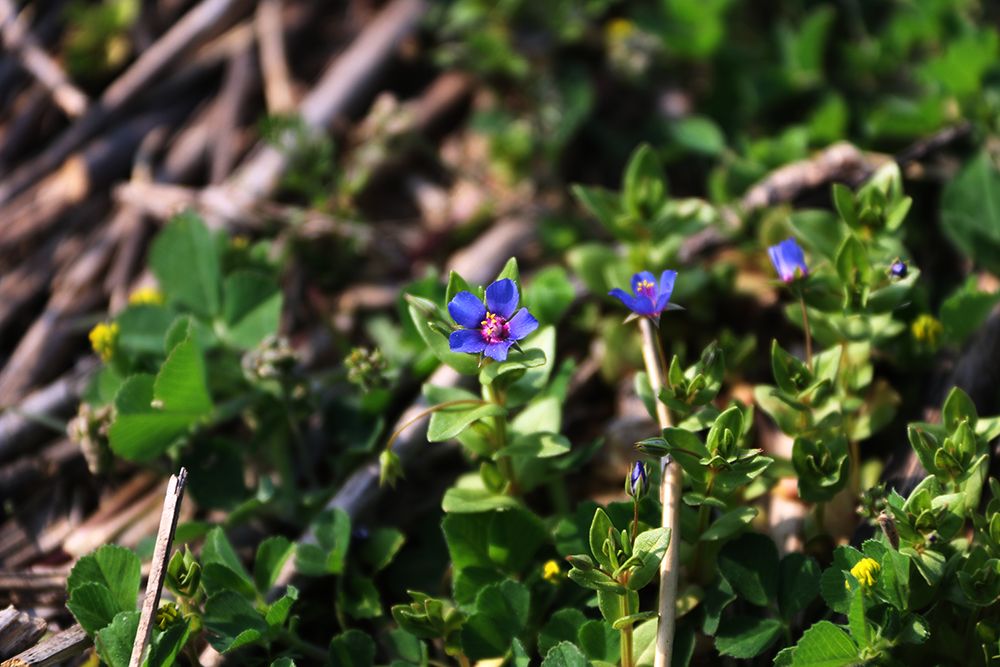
[
  {"x": 789, "y": 260},
  {"x": 490, "y": 328},
  {"x": 638, "y": 480},
  {"x": 648, "y": 298},
  {"x": 899, "y": 269}
]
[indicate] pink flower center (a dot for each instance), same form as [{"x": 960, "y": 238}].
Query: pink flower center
[
  {"x": 646, "y": 289},
  {"x": 494, "y": 329}
]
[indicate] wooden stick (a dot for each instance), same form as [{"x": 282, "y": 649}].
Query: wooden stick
[
  {"x": 670, "y": 498},
  {"x": 239, "y": 81},
  {"x": 340, "y": 86},
  {"x": 37, "y": 62},
  {"x": 158, "y": 570},
  {"x": 186, "y": 33},
  {"x": 19, "y": 631},
  {"x": 273, "y": 64},
  {"x": 55, "y": 650}
]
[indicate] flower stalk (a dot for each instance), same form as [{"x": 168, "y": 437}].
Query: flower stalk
[{"x": 670, "y": 498}]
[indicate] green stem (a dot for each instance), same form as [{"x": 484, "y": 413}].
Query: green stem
[
  {"x": 504, "y": 463},
  {"x": 305, "y": 648},
  {"x": 808, "y": 333},
  {"x": 626, "y": 632}
]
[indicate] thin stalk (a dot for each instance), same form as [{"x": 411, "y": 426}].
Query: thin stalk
[
  {"x": 635, "y": 519},
  {"x": 670, "y": 497},
  {"x": 626, "y": 633},
  {"x": 500, "y": 431},
  {"x": 808, "y": 333},
  {"x": 428, "y": 411}
]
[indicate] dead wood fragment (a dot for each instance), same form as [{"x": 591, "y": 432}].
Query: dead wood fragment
[
  {"x": 240, "y": 80},
  {"x": 19, "y": 430},
  {"x": 158, "y": 568},
  {"x": 278, "y": 89},
  {"x": 121, "y": 508},
  {"x": 204, "y": 19},
  {"x": 18, "y": 631},
  {"x": 23, "y": 45},
  {"x": 57, "y": 649}
]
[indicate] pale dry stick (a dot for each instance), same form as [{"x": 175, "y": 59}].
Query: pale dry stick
[
  {"x": 670, "y": 498},
  {"x": 278, "y": 91},
  {"x": 193, "y": 27},
  {"x": 341, "y": 85},
  {"x": 19, "y": 41},
  {"x": 18, "y": 631},
  {"x": 239, "y": 81},
  {"x": 53, "y": 651},
  {"x": 158, "y": 570}
]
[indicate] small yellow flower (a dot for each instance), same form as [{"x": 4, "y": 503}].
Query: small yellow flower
[
  {"x": 927, "y": 330},
  {"x": 148, "y": 296},
  {"x": 619, "y": 29},
  {"x": 865, "y": 572},
  {"x": 551, "y": 572},
  {"x": 241, "y": 242},
  {"x": 167, "y": 615},
  {"x": 103, "y": 338}
]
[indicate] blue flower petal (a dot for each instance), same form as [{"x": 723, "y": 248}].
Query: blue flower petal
[
  {"x": 787, "y": 256},
  {"x": 466, "y": 340},
  {"x": 640, "y": 277},
  {"x": 522, "y": 324},
  {"x": 502, "y": 298},
  {"x": 667, "y": 279},
  {"x": 498, "y": 351},
  {"x": 630, "y": 301},
  {"x": 467, "y": 310}
]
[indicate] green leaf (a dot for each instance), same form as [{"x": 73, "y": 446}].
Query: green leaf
[
  {"x": 165, "y": 646},
  {"x": 549, "y": 295},
  {"x": 332, "y": 529},
  {"x": 856, "y": 621},
  {"x": 750, "y": 565},
  {"x": 747, "y": 636},
  {"x": 650, "y": 547},
  {"x": 352, "y": 649},
  {"x": 422, "y": 313},
  {"x": 825, "y": 645},
  {"x": 218, "y": 550},
  {"x": 252, "y": 308},
  {"x": 599, "y": 641},
  {"x": 466, "y": 500},
  {"x": 563, "y": 625},
  {"x": 153, "y": 412},
  {"x": 447, "y": 423},
  {"x": 843, "y": 200},
  {"x": 531, "y": 357},
  {"x": 564, "y": 654},
  {"x": 964, "y": 311},
  {"x": 798, "y": 584},
  {"x": 600, "y": 529},
  {"x": 501, "y": 613},
  {"x": 852, "y": 262},
  {"x": 381, "y": 547},
  {"x": 729, "y": 524},
  {"x": 509, "y": 271},
  {"x": 271, "y": 556},
  {"x": 832, "y": 581},
  {"x": 970, "y": 211},
  {"x": 142, "y": 328},
  {"x": 698, "y": 134},
  {"x": 514, "y": 537},
  {"x": 103, "y": 584},
  {"x": 958, "y": 407},
  {"x": 277, "y": 612},
  {"x": 185, "y": 260},
  {"x": 358, "y": 597},
  {"x": 456, "y": 284},
  {"x": 114, "y": 643},
  {"x": 232, "y": 622}
]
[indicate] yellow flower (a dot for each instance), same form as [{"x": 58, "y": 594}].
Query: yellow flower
[
  {"x": 865, "y": 572},
  {"x": 149, "y": 296},
  {"x": 167, "y": 615},
  {"x": 619, "y": 29},
  {"x": 103, "y": 338},
  {"x": 241, "y": 242},
  {"x": 927, "y": 330},
  {"x": 551, "y": 572}
]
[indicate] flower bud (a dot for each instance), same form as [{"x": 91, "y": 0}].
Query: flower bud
[
  {"x": 637, "y": 484},
  {"x": 183, "y": 573},
  {"x": 898, "y": 269}
]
